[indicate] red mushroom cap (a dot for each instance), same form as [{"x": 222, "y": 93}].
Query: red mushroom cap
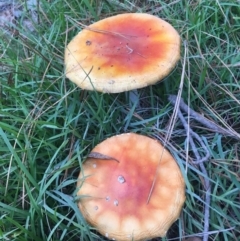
[
  {"x": 114, "y": 192},
  {"x": 123, "y": 52}
]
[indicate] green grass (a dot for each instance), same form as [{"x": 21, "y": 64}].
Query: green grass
[{"x": 48, "y": 125}]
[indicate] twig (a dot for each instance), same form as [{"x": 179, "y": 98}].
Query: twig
[
  {"x": 193, "y": 135},
  {"x": 190, "y": 137},
  {"x": 206, "y": 122},
  {"x": 201, "y": 234}
]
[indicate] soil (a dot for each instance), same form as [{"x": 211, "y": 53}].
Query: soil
[{"x": 13, "y": 13}]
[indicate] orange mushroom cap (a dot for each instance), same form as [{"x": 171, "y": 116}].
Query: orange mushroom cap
[
  {"x": 113, "y": 193},
  {"x": 123, "y": 52}
]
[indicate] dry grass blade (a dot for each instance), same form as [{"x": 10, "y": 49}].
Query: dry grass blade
[
  {"x": 102, "y": 31},
  {"x": 173, "y": 118}
]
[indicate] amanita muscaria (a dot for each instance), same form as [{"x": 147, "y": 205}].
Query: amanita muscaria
[
  {"x": 114, "y": 191},
  {"x": 123, "y": 52}
]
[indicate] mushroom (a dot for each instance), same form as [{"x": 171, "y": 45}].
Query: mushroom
[
  {"x": 121, "y": 53},
  {"x": 115, "y": 188}
]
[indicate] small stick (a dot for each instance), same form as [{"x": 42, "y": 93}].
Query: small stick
[
  {"x": 190, "y": 137},
  {"x": 200, "y": 234},
  {"x": 204, "y": 121}
]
